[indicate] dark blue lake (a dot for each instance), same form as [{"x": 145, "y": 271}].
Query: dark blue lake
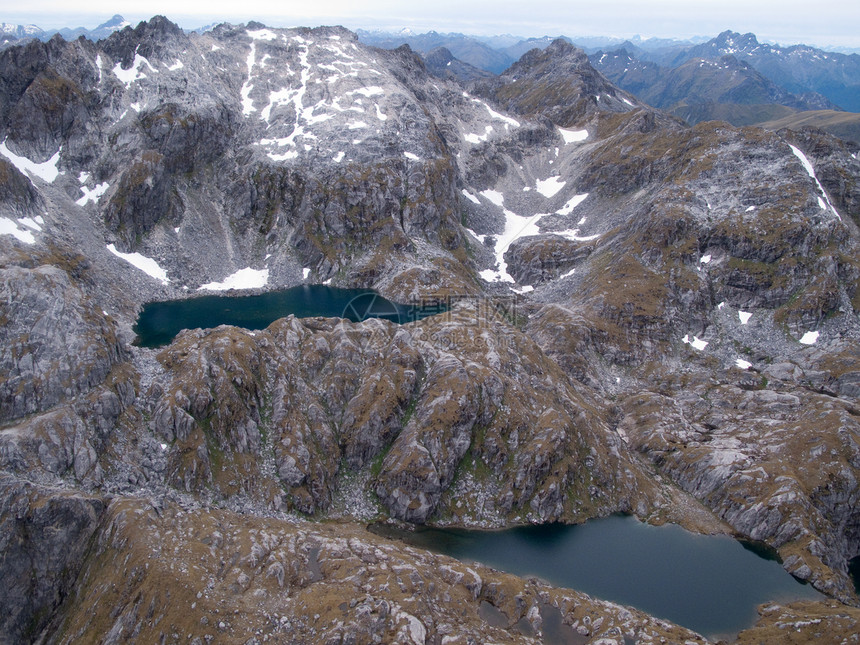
[
  {"x": 711, "y": 584},
  {"x": 160, "y": 322}
]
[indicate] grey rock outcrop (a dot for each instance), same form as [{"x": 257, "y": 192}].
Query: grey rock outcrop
[
  {"x": 44, "y": 536},
  {"x": 55, "y": 342}
]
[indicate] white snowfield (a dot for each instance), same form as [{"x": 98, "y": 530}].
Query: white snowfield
[
  {"x": 573, "y": 136},
  {"x": 470, "y": 197},
  {"x": 33, "y": 223},
  {"x": 550, "y": 187},
  {"x": 8, "y": 227},
  {"x": 47, "y": 170},
  {"x": 807, "y": 165},
  {"x": 809, "y": 338},
  {"x": 147, "y": 265},
  {"x": 247, "y": 278},
  {"x": 517, "y": 226},
  {"x": 696, "y": 343},
  {"x": 134, "y": 73},
  {"x": 92, "y": 195}
]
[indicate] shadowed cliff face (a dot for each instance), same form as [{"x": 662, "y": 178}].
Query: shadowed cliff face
[{"x": 644, "y": 318}]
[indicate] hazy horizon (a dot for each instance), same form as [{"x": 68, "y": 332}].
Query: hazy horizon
[{"x": 786, "y": 23}]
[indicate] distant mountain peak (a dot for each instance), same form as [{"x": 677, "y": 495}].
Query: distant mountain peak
[
  {"x": 115, "y": 21},
  {"x": 732, "y": 40}
]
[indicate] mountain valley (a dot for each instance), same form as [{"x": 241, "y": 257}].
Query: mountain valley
[{"x": 637, "y": 316}]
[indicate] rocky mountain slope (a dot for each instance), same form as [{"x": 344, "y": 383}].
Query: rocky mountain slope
[{"x": 644, "y": 318}]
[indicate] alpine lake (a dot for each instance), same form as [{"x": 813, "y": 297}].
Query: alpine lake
[
  {"x": 711, "y": 584},
  {"x": 160, "y": 322}
]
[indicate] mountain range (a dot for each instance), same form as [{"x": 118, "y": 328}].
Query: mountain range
[
  {"x": 10, "y": 33},
  {"x": 731, "y": 77},
  {"x": 756, "y": 88},
  {"x": 636, "y": 316}
]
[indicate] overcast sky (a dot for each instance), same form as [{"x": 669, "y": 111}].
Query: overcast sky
[{"x": 816, "y": 22}]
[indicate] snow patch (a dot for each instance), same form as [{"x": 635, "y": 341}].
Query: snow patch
[
  {"x": 289, "y": 154},
  {"x": 572, "y": 203},
  {"x": 8, "y": 227},
  {"x": 245, "y": 92},
  {"x": 379, "y": 113},
  {"x": 47, "y": 170},
  {"x": 742, "y": 364},
  {"x": 133, "y": 73},
  {"x": 508, "y": 121},
  {"x": 305, "y": 273},
  {"x": 247, "y": 278},
  {"x": 550, "y": 187},
  {"x": 92, "y": 195},
  {"x": 147, "y": 265},
  {"x": 567, "y": 275},
  {"x": 368, "y": 91},
  {"x": 809, "y": 338},
  {"x": 262, "y": 34},
  {"x": 338, "y": 157},
  {"x": 705, "y": 259},
  {"x": 526, "y": 289},
  {"x": 573, "y": 234},
  {"x": 744, "y": 316},
  {"x": 627, "y": 102},
  {"x": 807, "y": 165},
  {"x": 478, "y": 138},
  {"x": 31, "y": 223},
  {"x": 494, "y": 196},
  {"x": 478, "y": 237},
  {"x": 470, "y": 197},
  {"x": 696, "y": 343},
  {"x": 573, "y": 136},
  {"x": 177, "y": 65},
  {"x": 750, "y": 209},
  {"x": 516, "y": 227},
  {"x": 411, "y": 156}
]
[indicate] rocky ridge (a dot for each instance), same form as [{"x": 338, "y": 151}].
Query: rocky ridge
[{"x": 681, "y": 343}]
